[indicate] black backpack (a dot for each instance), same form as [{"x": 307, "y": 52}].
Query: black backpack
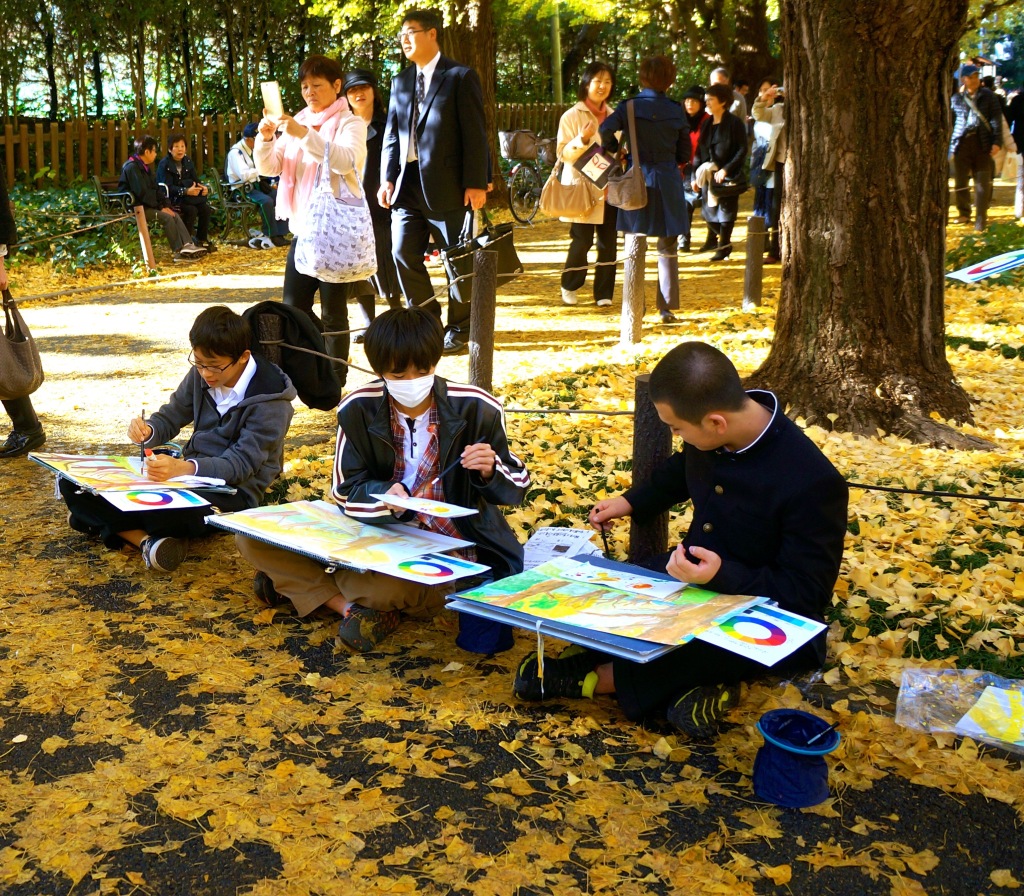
[{"x": 313, "y": 376}]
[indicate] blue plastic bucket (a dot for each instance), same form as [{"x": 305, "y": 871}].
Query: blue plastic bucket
[{"x": 790, "y": 768}]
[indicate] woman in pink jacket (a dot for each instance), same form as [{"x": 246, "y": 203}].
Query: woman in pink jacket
[{"x": 293, "y": 148}]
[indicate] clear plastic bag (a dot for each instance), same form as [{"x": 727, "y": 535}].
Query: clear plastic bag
[{"x": 966, "y": 702}]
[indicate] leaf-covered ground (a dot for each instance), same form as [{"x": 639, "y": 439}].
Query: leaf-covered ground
[{"x": 164, "y": 735}]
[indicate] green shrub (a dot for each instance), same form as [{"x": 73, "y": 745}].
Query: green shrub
[{"x": 46, "y": 217}]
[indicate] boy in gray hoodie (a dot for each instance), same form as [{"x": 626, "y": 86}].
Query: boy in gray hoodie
[{"x": 240, "y": 409}]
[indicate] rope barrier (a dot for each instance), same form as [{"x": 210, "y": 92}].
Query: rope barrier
[{"x": 51, "y": 238}]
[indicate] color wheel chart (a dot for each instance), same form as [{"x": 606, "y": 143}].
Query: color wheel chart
[
  {"x": 154, "y": 499},
  {"x": 990, "y": 267},
  {"x": 765, "y": 634},
  {"x": 433, "y": 569}
]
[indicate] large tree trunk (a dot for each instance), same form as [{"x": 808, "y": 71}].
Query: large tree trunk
[
  {"x": 860, "y": 327},
  {"x": 752, "y": 59},
  {"x": 97, "y": 82},
  {"x": 469, "y": 38}
]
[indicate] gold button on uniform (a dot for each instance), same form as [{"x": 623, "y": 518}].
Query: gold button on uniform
[
  {"x": 707, "y": 527},
  {"x": 719, "y": 490}
]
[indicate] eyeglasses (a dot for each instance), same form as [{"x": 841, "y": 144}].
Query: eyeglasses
[
  {"x": 403, "y": 35},
  {"x": 209, "y": 367}
]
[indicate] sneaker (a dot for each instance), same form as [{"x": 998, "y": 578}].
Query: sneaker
[
  {"x": 253, "y": 233},
  {"x": 698, "y": 712},
  {"x": 164, "y": 554},
  {"x": 19, "y": 443},
  {"x": 603, "y": 303},
  {"x": 572, "y": 675},
  {"x": 568, "y": 296},
  {"x": 363, "y": 628},
  {"x": 266, "y": 593},
  {"x": 190, "y": 250},
  {"x": 453, "y": 345}
]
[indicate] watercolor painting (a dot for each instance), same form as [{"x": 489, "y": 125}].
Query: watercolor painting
[
  {"x": 426, "y": 506},
  {"x": 543, "y": 594},
  {"x": 109, "y": 472},
  {"x": 321, "y": 530}
]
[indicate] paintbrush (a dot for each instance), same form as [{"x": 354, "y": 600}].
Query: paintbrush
[
  {"x": 821, "y": 734},
  {"x": 440, "y": 475}
]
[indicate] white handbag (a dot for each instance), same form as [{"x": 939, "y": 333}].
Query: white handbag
[{"x": 337, "y": 244}]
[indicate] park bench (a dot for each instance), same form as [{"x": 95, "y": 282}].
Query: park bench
[{"x": 239, "y": 213}]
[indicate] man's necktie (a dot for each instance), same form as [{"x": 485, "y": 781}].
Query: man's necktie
[{"x": 421, "y": 92}]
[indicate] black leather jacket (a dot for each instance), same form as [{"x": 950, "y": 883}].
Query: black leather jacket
[{"x": 364, "y": 464}]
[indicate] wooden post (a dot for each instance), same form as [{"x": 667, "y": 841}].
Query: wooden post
[
  {"x": 69, "y": 151},
  {"x": 9, "y": 153},
  {"x": 652, "y": 444},
  {"x": 55, "y": 151},
  {"x": 755, "y": 263},
  {"x": 40, "y": 155},
  {"x": 144, "y": 240},
  {"x": 112, "y": 163},
  {"x": 481, "y": 318},
  {"x": 1018, "y": 193},
  {"x": 631, "y": 329},
  {"x": 268, "y": 332},
  {"x": 23, "y": 148},
  {"x": 83, "y": 148}
]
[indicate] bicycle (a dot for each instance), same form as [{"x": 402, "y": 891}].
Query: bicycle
[{"x": 534, "y": 157}]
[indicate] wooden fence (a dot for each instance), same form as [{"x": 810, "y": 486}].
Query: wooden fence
[{"x": 82, "y": 148}]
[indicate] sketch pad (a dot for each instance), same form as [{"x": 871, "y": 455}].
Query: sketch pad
[{"x": 320, "y": 531}]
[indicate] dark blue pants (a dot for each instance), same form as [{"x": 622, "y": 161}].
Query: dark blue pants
[{"x": 413, "y": 225}]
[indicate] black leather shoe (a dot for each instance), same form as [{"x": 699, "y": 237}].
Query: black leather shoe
[
  {"x": 722, "y": 254},
  {"x": 19, "y": 443},
  {"x": 453, "y": 345},
  {"x": 667, "y": 317}
]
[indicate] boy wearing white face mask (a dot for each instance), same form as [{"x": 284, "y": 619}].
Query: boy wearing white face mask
[{"x": 395, "y": 436}]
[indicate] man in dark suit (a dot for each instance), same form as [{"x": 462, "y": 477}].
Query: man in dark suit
[{"x": 434, "y": 161}]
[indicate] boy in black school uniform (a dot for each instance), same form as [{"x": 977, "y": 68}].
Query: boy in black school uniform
[
  {"x": 395, "y": 436},
  {"x": 239, "y": 408},
  {"x": 769, "y": 519}
]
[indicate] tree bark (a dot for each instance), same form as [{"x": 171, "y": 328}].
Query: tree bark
[
  {"x": 469, "y": 38},
  {"x": 859, "y": 336},
  {"x": 97, "y": 82},
  {"x": 751, "y": 57}
]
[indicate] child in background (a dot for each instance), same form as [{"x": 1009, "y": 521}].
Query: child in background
[
  {"x": 395, "y": 436},
  {"x": 240, "y": 409}
]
